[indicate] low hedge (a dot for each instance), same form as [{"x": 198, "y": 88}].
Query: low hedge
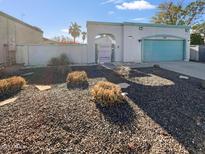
[{"x": 10, "y": 86}]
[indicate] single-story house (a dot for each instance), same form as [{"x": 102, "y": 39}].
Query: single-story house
[
  {"x": 137, "y": 42},
  {"x": 13, "y": 32}
]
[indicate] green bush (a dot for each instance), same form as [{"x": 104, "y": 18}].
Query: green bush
[
  {"x": 64, "y": 59},
  {"x": 10, "y": 86},
  {"x": 197, "y": 39},
  {"x": 54, "y": 61},
  {"x": 58, "y": 61}
]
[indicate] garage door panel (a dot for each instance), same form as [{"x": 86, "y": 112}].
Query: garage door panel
[{"x": 163, "y": 50}]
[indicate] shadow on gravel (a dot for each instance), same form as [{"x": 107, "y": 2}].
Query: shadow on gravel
[
  {"x": 178, "y": 108},
  {"x": 120, "y": 114},
  {"x": 92, "y": 71},
  {"x": 8, "y": 96},
  {"x": 45, "y": 75},
  {"x": 135, "y": 73},
  {"x": 81, "y": 86}
]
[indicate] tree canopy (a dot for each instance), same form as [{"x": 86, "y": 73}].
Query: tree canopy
[
  {"x": 74, "y": 30},
  {"x": 177, "y": 12},
  {"x": 199, "y": 28}
]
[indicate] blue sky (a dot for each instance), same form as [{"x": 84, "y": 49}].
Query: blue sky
[{"x": 54, "y": 16}]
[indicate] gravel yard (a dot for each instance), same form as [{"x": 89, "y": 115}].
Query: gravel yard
[{"x": 163, "y": 114}]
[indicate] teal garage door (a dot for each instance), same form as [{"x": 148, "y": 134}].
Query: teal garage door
[{"x": 163, "y": 50}]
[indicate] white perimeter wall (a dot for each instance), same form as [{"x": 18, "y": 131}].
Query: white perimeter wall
[{"x": 41, "y": 54}]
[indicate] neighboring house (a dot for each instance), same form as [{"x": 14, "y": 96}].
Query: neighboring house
[
  {"x": 137, "y": 42},
  {"x": 49, "y": 41},
  {"x": 14, "y": 32}
]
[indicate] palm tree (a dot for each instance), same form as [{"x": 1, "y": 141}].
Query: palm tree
[
  {"x": 84, "y": 36},
  {"x": 74, "y": 30}
]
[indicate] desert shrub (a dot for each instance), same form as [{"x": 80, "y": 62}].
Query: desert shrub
[
  {"x": 123, "y": 71},
  {"x": 156, "y": 66},
  {"x": 106, "y": 93},
  {"x": 62, "y": 60},
  {"x": 77, "y": 77},
  {"x": 11, "y": 85},
  {"x": 54, "y": 61}
]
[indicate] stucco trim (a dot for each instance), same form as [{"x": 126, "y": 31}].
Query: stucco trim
[
  {"x": 19, "y": 21},
  {"x": 163, "y": 35},
  {"x": 104, "y": 23},
  {"x": 155, "y": 25},
  {"x": 137, "y": 24}
]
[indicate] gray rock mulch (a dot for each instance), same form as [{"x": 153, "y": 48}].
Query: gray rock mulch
[{"x": 154, "y": 119}]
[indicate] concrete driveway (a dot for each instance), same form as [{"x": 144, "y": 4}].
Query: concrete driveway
[{"x": 193, "y": 69}]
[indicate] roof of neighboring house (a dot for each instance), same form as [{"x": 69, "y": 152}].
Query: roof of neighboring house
[
  {"x": 19, "y": 21},
  {"x": 137, "y": 24},
  {"x": 49, "y": 40}
]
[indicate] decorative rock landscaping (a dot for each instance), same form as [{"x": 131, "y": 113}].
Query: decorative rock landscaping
[{"x": 156, "y": 119}]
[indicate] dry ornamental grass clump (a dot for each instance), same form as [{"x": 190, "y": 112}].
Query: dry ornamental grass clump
[
  {"x": 107, "y": 93},
  {"x": 77, "y": 79},
  {"x": 11, "y": 85},
  {"x": 123, "y": 71}
]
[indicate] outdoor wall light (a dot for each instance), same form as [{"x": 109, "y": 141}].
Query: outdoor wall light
[
  {"x": 139, "y": 41},
  {"x": 140, "y": 28}
]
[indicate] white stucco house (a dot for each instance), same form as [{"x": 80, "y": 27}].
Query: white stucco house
[
  {"x": 115, "y": 42},
  {"x": 136, "y": 42}
]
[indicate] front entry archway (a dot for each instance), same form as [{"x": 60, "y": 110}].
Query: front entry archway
[{"x": 105, "y": 48}]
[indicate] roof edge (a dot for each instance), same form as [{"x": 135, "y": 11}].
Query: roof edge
[
  {"x": 104, "y": 23},
  {"x": 20, "y": 21},
  {"x": 138, "y": 24},
  {"x": 155, "y": 25}
]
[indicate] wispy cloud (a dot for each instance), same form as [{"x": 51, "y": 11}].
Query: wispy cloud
[
  {"x": 111, "y": 12},
  {"x": 112, "y": 1},
  {"x": 140, "y": 19},
  {"x": 136, "y": 5},
  {"x": 64, "y": 30}
]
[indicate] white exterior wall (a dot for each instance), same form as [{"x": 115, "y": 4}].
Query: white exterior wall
[
  {"x": 42, "y": 54},
  {"x": 133, "y": 48},
  {"x": 127, "y": 36},
  {"x": 95, "y": 30}
]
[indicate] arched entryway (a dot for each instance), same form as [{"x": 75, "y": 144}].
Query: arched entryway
[{"x": 105, "y": 45}]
